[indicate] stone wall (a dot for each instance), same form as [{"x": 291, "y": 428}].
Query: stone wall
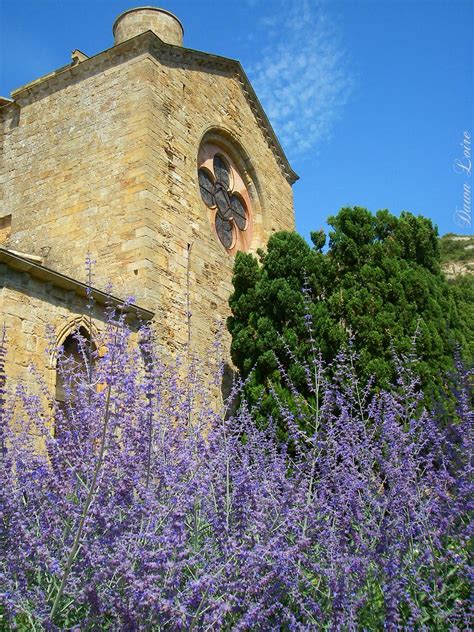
[
  {"x": 186, "y": 105},
  {"x": 101, "y": 158},
  {"x": 73, "y": 171},
  {"x": 5, "y": 229},
  {"x": 33, "y": 314}
]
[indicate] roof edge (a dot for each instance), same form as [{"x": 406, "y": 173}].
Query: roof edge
[
  {"x": 176, "y": 52},
  {"x": 38, "y": 271},
  {"x": 5, "y": 101}
]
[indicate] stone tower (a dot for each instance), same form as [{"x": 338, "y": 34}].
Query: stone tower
[{"x": 156, "y": 159}]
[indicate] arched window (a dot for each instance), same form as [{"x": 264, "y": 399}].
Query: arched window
[
  {"x": 75, "y": 363},
  {"x": 229, "y": 192}
]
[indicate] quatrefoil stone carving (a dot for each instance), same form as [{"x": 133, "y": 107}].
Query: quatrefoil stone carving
[{"x": 217, "y": 192}]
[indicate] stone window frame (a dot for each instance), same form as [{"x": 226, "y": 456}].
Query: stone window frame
[
  {"x": 233, "y": 151},
  {"x": 68, "y": 329}
]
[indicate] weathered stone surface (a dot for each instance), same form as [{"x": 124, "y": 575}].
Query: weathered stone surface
[
  {"x": 34, "y": 315},
  {"x": 136, "y": 21},
  {"x": 101, "y": 158}
]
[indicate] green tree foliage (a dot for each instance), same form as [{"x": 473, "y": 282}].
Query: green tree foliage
[{"x": 379, "y": 283}]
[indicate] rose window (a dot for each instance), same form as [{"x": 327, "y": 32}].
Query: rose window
[{"x": 217, "y": 191}]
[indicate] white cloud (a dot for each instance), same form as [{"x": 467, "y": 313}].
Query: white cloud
[{"x": 302, "y": 78}]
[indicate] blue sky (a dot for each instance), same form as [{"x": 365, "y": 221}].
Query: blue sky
[{"x": 370, "y": 98}]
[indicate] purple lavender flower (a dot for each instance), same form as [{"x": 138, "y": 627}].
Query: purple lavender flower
[{"x": 134, "y": 518}]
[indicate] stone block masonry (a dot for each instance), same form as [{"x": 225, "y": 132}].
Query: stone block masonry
[{"x": 100, "y": 157}]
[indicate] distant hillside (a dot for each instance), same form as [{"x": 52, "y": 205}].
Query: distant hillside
[
  {"x": 457, "y": 257},
  {"x": 457, "y": 254}
]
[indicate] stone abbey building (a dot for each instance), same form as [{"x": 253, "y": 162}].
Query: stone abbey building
[{"x": 155, "y": 159}]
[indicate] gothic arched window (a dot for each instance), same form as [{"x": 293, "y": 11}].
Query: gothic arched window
[{"x": 75, "y": 363}]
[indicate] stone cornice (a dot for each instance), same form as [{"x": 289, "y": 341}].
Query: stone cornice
[
  {"x": 151, "y": 43},
  {"x": 5, "y": 101},
  {"x": 22, "y": 264}
]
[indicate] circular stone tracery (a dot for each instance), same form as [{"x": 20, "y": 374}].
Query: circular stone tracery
[{"x": 217, "y": 191}]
